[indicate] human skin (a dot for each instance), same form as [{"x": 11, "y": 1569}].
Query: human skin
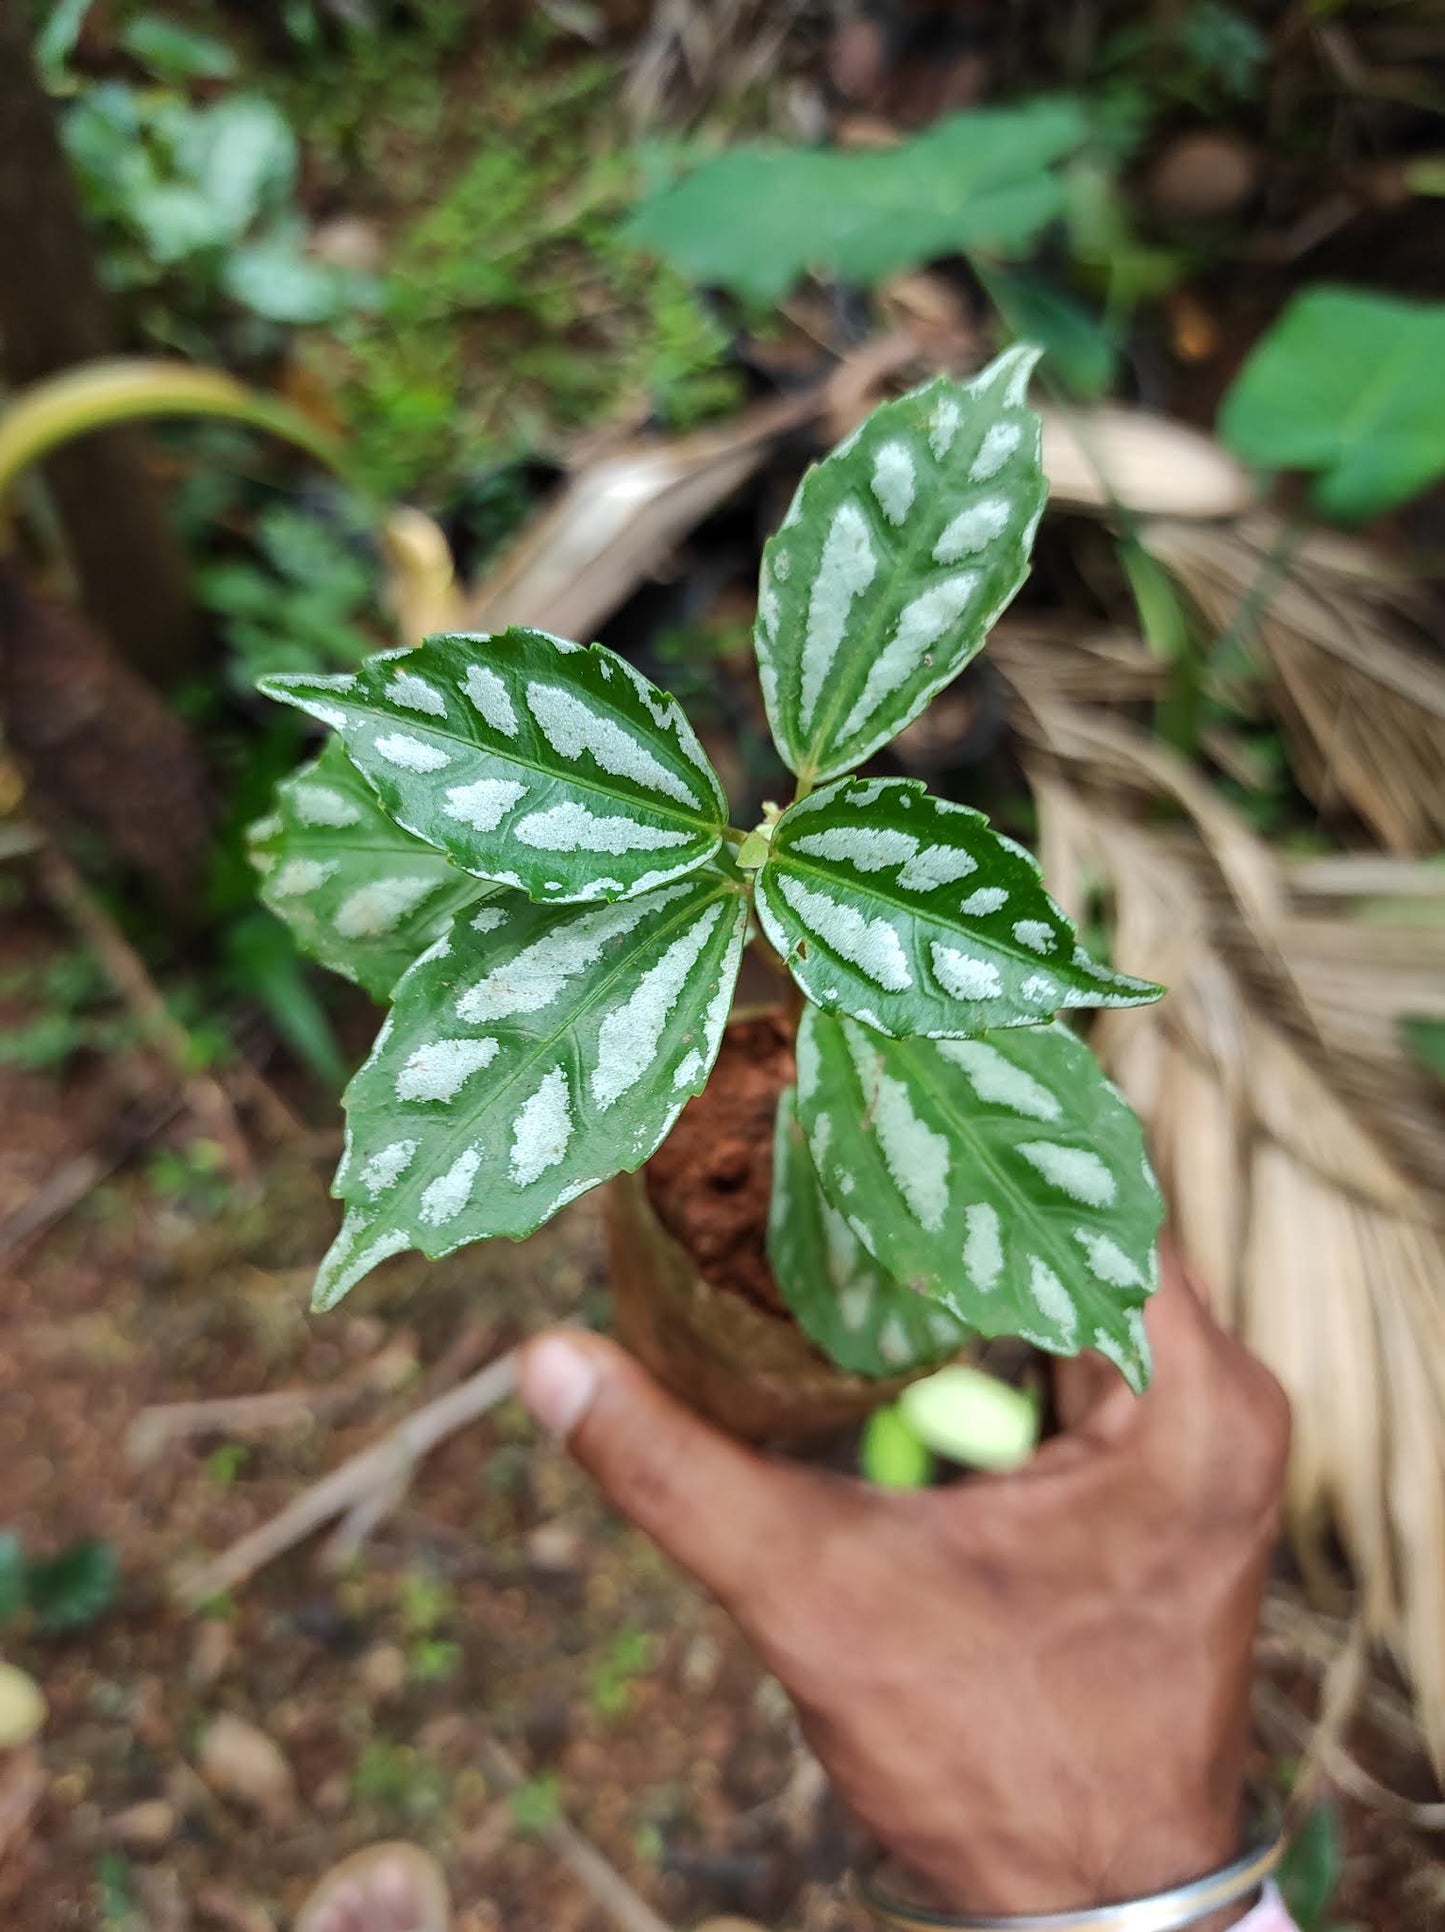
[{"x": 1032, "y": 1689}]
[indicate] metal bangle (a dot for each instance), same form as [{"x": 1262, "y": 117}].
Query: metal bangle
[{"x": 1170, "y": 1911}]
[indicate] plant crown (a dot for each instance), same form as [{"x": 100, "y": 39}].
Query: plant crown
[{"x": 523, "y": 846}]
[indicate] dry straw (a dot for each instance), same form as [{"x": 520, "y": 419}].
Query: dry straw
[{"x": 1297, "y": 1141}]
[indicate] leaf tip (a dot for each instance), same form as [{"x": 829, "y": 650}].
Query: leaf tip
[
  {"x": 350, "y": 1258},
  {"x": 1012, "y": 370}
]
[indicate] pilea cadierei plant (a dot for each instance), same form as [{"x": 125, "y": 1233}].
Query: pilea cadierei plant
[{"x": 522, "y": 845}]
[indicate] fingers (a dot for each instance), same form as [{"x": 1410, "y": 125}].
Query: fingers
[{"x": 732, "y": 1518}]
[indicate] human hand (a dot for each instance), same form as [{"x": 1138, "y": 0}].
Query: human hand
[{"x": 1032, "y": 1689}]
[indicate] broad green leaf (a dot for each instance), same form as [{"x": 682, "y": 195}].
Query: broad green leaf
[
  {"x": 911, "y": 914},
  {"x": 527, "y": 760},
  {"x": 533, "y": 1052},
  {"x": 359, "y": 894},
  {"x": 1004, "y": 1176},
  {"x": 759, "y": 217},
  {"x": 1350, "y": 385},
  {"x": 840, "y": 1297},
  {"x": 898, "y": 555}
]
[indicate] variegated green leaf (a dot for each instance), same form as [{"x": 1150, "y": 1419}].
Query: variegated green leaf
[
  {"x": 1003, "y": 1176},
  {"x": 899, "y": 553},
  {"x": 556, "y": 770},
  {"x": 841, "y": 1298},
  {"x": 533, "y": 1052},
  {"x": 912, "y": 915},
  {"x": 359, "y": 894}
]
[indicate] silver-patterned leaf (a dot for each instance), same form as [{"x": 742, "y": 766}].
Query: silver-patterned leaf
[
  {"x": 1003, "y": 1176},
  {"x": 555, "y": 770},
  {"x": 359, "y": 894},
  {"x": 898, "y": 554},
  {"x": 533, "y": 1052},
  {"x": 911, "y": 914},
  {"x": 840, "y": 1297}
]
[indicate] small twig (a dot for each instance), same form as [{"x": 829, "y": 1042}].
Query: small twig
[
  {"x": 127, "y": 973},
  {"x": 161, "y": 1425},
  {"x": 155, "y": 1429},
  {"x": 474, "y": 1344},
  {"x": 378, "y": 1467},
  {"x": 367, "y": 1514},
  {"x": 609, "y": 1889}
]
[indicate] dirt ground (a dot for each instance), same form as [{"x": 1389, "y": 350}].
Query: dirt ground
[{"x": 499, "y": 1604}]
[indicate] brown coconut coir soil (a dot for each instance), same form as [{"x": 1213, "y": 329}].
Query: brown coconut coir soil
[{"x": 710, "y": 1180}]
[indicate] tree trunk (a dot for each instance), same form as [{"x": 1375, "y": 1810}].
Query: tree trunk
[
  {"x": 130, "y": 566},
  {"x": 100, "y": 749}
]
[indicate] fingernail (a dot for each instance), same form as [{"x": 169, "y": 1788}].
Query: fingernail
[{"x": 558, "y": 1383}]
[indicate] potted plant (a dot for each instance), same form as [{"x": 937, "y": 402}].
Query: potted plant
[{"x": 521, "y": 844}]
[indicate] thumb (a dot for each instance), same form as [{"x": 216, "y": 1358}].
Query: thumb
[{"x": 727, "y": 1514}]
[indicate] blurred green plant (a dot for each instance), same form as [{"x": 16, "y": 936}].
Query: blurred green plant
[
  {"x": 629, "y": 1656},
  {"x": 511, "y": 306},
  {"x": 1425, "y": 1039},
  {"x": 396, "y": 1779},
  {"x": 758, "y": 217},
  {"x": 74, "y": 1014},
  {"x": 1309, "y": 1874},
  {"x": 1349, "y": 386},
  {"x": 301, "y": 602},
  {"x": 194, "y": 1174},
  {"x": 61, "y": 1593},
  {"x": 225, "y": 1463},
  {"x": 425, "y": 1601},
  {"x": 192, "y": 202},
  {"x": 1207, "y": 56},
  {"x": 536, "y": 1804},
  {"x": 116, "y": 1902},
  {"x": 433, "y": 1660}
]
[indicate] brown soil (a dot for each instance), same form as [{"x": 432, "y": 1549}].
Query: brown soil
[{"x": 710, "y": 1180}]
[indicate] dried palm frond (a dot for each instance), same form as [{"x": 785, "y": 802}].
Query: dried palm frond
[
  {"x": 1358, "y": 684},
  {"x": 1300, "y": 1148},
  {"x": 696, "y": 55}
]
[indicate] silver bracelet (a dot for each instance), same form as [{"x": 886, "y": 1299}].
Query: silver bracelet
[{"x": 1171, "y": 1911}]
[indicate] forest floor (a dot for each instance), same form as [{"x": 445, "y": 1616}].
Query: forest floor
[{"x": 501, "y": 1604}]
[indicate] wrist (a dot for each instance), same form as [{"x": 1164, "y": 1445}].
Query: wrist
[
  {"x": 1048, "y": 1873},
  {"x": 1208, "y": 1893}
]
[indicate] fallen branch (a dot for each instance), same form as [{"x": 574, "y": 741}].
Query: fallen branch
[
  {"x": 609, "y": 1889},
  {"x": 381, "y": 1469}
]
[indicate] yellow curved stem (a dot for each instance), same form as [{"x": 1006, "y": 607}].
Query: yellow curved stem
[{"x": 97, "y": 395}]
